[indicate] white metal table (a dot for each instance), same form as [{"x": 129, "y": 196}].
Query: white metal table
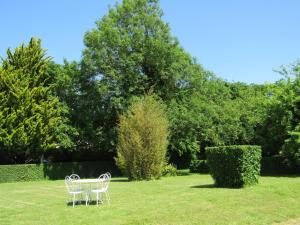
[{"x": 88, "y": 183}]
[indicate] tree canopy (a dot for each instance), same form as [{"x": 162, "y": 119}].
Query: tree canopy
[{"x": 78, "y": 105}]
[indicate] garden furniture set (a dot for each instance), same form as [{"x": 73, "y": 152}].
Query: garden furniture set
[{"x": 87, "y": 187}]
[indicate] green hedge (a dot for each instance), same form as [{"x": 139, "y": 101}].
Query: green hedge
[
  {"x": 234, "y": 166},
  {"x": 53, "y": 171},
  {"x": 275, "y": 165},
  {"x": 199, "y": 166}
]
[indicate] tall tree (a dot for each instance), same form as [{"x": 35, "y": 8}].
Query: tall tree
[
  {"x": 32, "y": 120},
  {"x": 130, "y": 53}
]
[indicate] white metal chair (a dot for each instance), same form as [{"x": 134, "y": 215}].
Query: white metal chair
[
  {"x": 108, "y": 174},
  {"x": 73, "y": 188},
  {"x": 101, "y": 188},
  {"x": 74, "y": 176}
]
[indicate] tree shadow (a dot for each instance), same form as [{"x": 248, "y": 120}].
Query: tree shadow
[
  {"x": 209, "y": 186},
  {"x": 204, "y": 186},
  {"x": 119, "y": 180}
]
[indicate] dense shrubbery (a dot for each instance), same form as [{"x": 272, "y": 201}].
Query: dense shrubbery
[
  {"x": 30, "y": 172},
  {"x": 142, "y": 137},
  {"x": 276, "y": 165},
  {"x": 168, "y": 170},
  {"x": 234, "y": 166},
  {"x": 47, "y": 108},
  {"x": 291, "y": 150},
  {"x": 199, "y": 166}
]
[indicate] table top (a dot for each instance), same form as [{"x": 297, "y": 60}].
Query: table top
[{"x": 95, "y": 180}]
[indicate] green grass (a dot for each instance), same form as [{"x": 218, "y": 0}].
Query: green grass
[{"x": 172, "y": 200}]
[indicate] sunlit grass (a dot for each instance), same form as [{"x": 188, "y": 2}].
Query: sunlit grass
[{"x": 173, "y": 200}]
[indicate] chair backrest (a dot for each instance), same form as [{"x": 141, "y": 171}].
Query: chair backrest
[
  {"x": 74, "y": 177},
  {"x": 109, "y": 175},
  {"x": 102, "y": 176},
  {"x": 67, "y": 178},
  {"x": 103, "y": 181},
  {"x": 71, "y": 186}
]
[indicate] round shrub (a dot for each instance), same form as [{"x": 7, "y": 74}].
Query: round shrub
[{"x": 169, "y": 170}]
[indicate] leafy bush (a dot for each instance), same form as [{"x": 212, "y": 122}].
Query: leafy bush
[
  {"x": 291, "y": 150},
  {"x": 169, "y": 170},
  {"x": 30, "y": 172},
  {"x": 142, "y": 136},
  {"x": 199, "y": 166},
  {"x": 234, "y": 166}
]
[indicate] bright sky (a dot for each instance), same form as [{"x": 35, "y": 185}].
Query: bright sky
[{"x": 236, "y": 39}]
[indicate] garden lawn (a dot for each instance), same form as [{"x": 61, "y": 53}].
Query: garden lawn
[{"x": 172, "y": 200}]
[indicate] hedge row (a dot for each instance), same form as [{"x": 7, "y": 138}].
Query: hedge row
[
  {"x": 52, "y": 171},
  {"x": 199, "y": 166},
  {"x": 234, "y": 166},
  {"x": 272, "y": 165},
  {"x": 276, "y": 165}
]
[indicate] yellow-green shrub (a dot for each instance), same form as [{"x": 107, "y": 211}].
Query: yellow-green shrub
[{"x": 143, "y": 139}]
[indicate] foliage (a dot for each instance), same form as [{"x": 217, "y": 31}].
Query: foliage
[
  {"x": 54, "y": 171},
  {"x": 234, "y": 166},
  {"x": 168, "y": 170},
  {"x": 275, "y": 165},
  {"x": 128, "y": 54},
  {"x": 199, "y": 166},
  {"x": 283, "y": 112},
  {"x": 32, "y": 120},
  {"x": 216, "y": 113},
  {"x": 143, "y": 142},
  {"x": 291, "y": 150}
]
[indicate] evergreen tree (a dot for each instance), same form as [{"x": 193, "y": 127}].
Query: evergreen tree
[{"x": 32, "y": 120}]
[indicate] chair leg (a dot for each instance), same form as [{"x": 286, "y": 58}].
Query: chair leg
[
  {"x": 97, "y": 199},
  {"x": 107, "y": 197},
  {"x": 73, "y": 200},
  {"x": 86, "y": 199}
]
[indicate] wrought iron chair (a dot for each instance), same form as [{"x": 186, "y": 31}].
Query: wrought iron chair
[
  {"x": 101, "y": 188},
  {"x": 74, "y": 188}
]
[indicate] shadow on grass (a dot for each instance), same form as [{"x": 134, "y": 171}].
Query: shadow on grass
[
  {"x": 93, "y": 202},
  {"x": 119, "y": 180},
  {"x": 213, "y": 186},
  {"x": 76, "y": 203},
  {"x": 204, "y": 186}
]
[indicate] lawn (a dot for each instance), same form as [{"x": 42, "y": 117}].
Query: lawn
[{"x": 172, "y": 200}]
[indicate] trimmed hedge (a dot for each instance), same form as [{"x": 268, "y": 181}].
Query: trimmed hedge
[
  {"x": 275, "y": 165},
  {"x": 53, "y": 171},
  {"x": 234, "y": 166},
  {"x": 199, "y": 166}
]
